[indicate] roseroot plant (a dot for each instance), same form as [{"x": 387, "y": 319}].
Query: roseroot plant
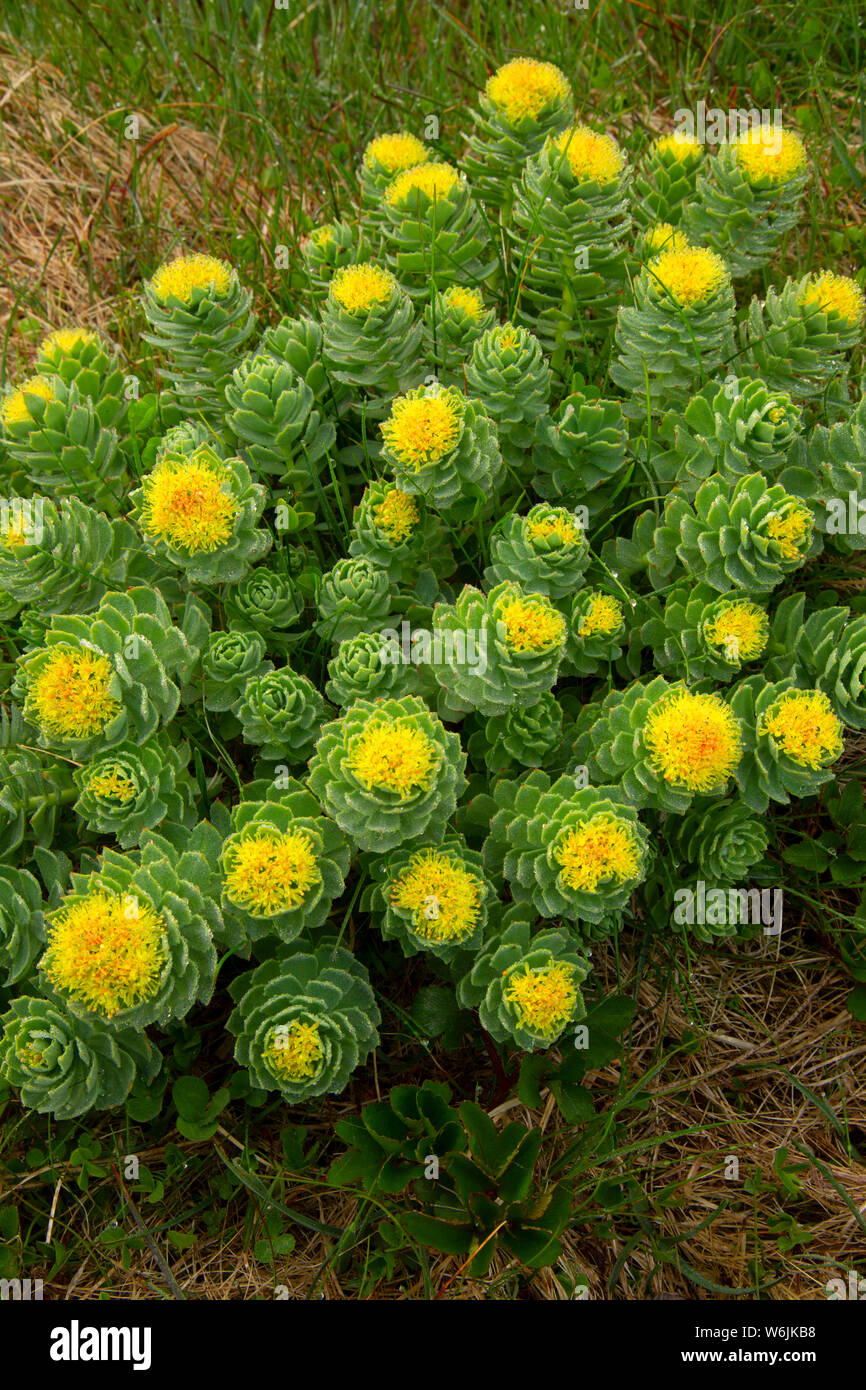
[
  {"x": 395, "y": 531},
  {"x": 840, "y": 454},
  {"x": 508, "y": 372},
  {"x": 523, "y": 103},
  {"x": 283, "y": 863},
  {"x": 524, "y": 734},
  {"x": 272, "y": 412},
  {"x": 304, "y": 1021},
  {"x": 570, "y": 851},
  {"x": 109, "y": 677},
  {"x": 730, "y": 428},
  {"x": 199, "y": 317},
  {"x": 201, "y": 513},
  {"x": 546, "y": 551},
  {"x": 700, "y": 633},
  {"x": 798, "y": 337},
  {"x": 133, "y": 943},
  {"x": 83, "y": 356},
  {"x": 579, "y": 452},
  {"x": 133, "y": 788},
  {"x": 526, "y": 987},
  {"x": 666, "y": 178},
  {"x": 371, "y": 336},
  {"x": 434, "y": 899},
  {"x": 266, "y": 601},
  {"x": 748, "y": 536},
  {"x": 281, "y": 712},
  {"x": 444, "y": 448},
  {"x": 827, "y": 649},
  {"x": 433, "y": 231},
  {"x": 677, "y": 332},
  {"x": 65, "y": 1066},
  {"x": 328, "y": 248},
  {"x": 569, "y": 225},
  {"x": 62, "y": 557},
  {"x": 383, "y": 159},
  {"x": 60, "y": 445},
  {"x": 299, "y": 343},
  {"x": 388, "y": 772},
  {"x": 491, "y": 652},
  {"x": 597, "y": 626},
  {"x": 792, "y": 738},
  {"x": 355, "y": 596},
  {"x": 22, "y": 934},
  {"x": 453, "y": 319},
  {"x": 665, "y": 743},
  {"x": 749, "y": 196}
]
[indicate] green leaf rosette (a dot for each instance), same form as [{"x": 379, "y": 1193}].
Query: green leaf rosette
[
  {"x": 283, "y": 863},
  {"x": 299, "y": 343},
  {"x": 304, "y": 1022},
  {"x": 395, "y": 532},
  {"x": 701, "y": 633},
  {"x": 201, "y": 513},
  {"x": 272, "y": 412},
  {"x": 66, "y": 1066},
  {"x": 229, "y": 662},
  {"x": 510, "y": 375},
  {"x": 388, "y": 772},
  {"x": 492, "y": 651},
  {"x": 792, "y": 739},
  {"x": 580, "y": 452},
  {"x": 665, "y": 744},
  {"x": 798, "y": 337},
  {"x": 363, "y": 669},
  {"x": 355, "y": 596},
  {"x": 200, "y": 319},
  {"x": 61, "y": 557},
  {"x": 597, "y": 628},
  {"x": 22, "y": 935},
  {"x": 546, "y": 551},
  {"x": 677, "y": 332},
  {"x": 133, "y": 788},
  {"x": 108, "y": 677},
  {"x": 525, "y": 734},
  {"x": 434, "y": 899},
  {"x": 60, "y": 443},
  {"x": 83, "y": 356},
  {"x": 133, "y": 943},
  {"x": 665, "y": 181},
  {"x": 749, "y": 196},
  {"x": 569, "y": 850},
  {"x": 268, "y": 601},
  {"x": 526, "y": 988},
  {"x": 453, "y": 319},
  {"x": 371, "y": 338},
  {"x": 723, "y": 840},
  {"x": 390, "y": 1141},
  {"x": 444, "y": 448},
  {"x": 283, "y": 712}
]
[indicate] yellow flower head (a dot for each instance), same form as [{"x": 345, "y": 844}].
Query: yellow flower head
[
  {"x": 14, "y": 409},
  {"x": 791, "y": 531},
  {"x": 322, "y": 236},
  {"x": 693, "y": 740},
  {"x": 505, "y": 338},
  {"x": 64, "y": 341},
  {"x": 434, "y": 181},
  {"x": 443, "y": 897},
  {"x": 664, "y": 237},
  {"x": 397, "y": 515},
  {"x": 70, "y": 695},
  {"x": 393, "y": 153},
  {"x": 293, "y": 1052},
  {"x": 469, "y": 302},
  {"x": 107, "y": 951},
  {"x": 178, "y": 279},
  {"x": 186, "y": 504},
  {"x": 603, "y": 617},
  {"x": 532, "y": 624},
  {"x": 599, "y": 851},
  {"x": 526, "y": 89},
  {"x": 360, "y": 288},
  {"x": 424, "y": 428},
  {"x": 592, "y": 158},
  {"x": 110, "y": 783},
  {"x": 556, "y": 525},
  {"x": 805, "y": 728},
  {"x": 689, "y": 276},
  {"x": 836, "y": 294},
  {"x": 544, "y": 999},
  {"x": 739, "y": 629},
  {"x": 392, "y": 755},
  {"x": 680, "y": 144},
  {"x": 770, "y": 153},
  {"x": 267, "y": 871}
]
